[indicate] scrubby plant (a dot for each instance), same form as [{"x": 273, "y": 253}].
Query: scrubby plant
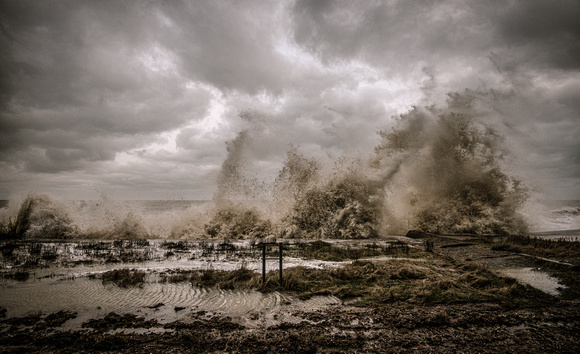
[{"x": 562, "y": 249}]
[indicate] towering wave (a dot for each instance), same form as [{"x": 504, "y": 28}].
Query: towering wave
[
  {"x": 442, "y": 173},
  {"x": 437, "y": 169}
]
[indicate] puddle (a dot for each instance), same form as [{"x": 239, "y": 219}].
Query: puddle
[
  {"x": 165, "y": 302},
  {"x": 534, "y": 277},
  {"x": 60, "y": 276}
]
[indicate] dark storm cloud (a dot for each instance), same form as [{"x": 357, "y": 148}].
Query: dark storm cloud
[
  {"x": 547, "y": 31},
  {"x": 391, "y": 34},
  {"x": 145, "y": 94},
  {"x": 77, "y": 85},
  {"x": 400, "y": 34},
  {"x": 229, "y": 44}
]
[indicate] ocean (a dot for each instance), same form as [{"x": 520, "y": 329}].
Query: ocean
[{"x": 189, "y": 219}]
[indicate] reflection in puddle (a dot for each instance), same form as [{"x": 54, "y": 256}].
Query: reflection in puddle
[{"x": 534, "y": 277}]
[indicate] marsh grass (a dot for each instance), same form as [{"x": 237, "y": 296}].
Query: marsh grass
[
  {"x": 18, "y": 275},
  {"x": 435, "y": 281},
  {"x": 410, "y": 281},
  {"x": 124, "y": 278},
  {"x": 325, "y": 251},
  {"x": 561, "y": 249}
]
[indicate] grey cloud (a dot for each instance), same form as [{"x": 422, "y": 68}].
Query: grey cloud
[
  {"x": 546, "y": 30},
  {"x": 83, "y": 82},
  {"x": 401, "y": 34},
  {"x": 229, "y": 44},
  {"x": 398, "y": 35},
  {"x": 75, "y": 89}
]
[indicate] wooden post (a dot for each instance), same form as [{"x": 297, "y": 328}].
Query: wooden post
[
  {"x": 264, "y": 263},
  {"x": 280, "y": 256},
  {"x": 280, "y": 266}
]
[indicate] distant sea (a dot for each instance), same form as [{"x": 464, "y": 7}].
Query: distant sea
[{"x": 544, "y": 217}]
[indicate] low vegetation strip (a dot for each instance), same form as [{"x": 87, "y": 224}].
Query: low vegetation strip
[
  {"x": 435, "y": 281},
  {"x": 326, "y": 251},
  {"x": 561, "y": 249}
]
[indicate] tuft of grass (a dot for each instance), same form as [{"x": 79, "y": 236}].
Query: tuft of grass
[
  {"x": 18, "y": 275},
  {"x": 124, "y": 278},
  {"x": 505, "y": 246},
  {"x": 180, "y": 245}
]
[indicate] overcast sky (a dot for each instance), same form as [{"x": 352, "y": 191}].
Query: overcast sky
[{"x": 137, "y": 99}]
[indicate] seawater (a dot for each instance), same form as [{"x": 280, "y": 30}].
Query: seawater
[{"x": 186, "y": 219}]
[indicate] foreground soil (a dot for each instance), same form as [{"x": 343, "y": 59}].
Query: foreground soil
[{"x": 477, "y": 328}]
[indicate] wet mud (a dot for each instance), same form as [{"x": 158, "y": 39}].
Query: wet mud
[
  {"x": 548, "y": 275},
  {"x": 397, "y": 328}
]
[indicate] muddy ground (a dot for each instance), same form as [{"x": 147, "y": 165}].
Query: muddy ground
[{"x": 395, "y": 328}]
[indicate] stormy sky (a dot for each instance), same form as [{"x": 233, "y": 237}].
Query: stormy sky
[{"x": 137, "y": 99}]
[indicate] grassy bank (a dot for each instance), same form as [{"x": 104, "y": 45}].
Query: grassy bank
[
  {"x": 431, "y": 281},
  {"x": 562, "y": 249}
]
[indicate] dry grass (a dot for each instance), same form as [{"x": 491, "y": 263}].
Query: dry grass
[
  {"x": 329, "y": 252},
  {"x": 560, "y": 249},
  {"x": 124, "y": 278},
  {"x": 436, "y": 281}
]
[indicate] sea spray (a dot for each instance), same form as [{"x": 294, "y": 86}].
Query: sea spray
[
  {"x": 235, "y": 180},
  {"x": 438, "y": 169},
  {"x": 443, "y": 173},
  {"x": 40, "y": 216}
]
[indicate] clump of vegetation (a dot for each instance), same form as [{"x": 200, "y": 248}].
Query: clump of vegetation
[
  {"x": 18, "y": 275},
  {"x": 376, "y": 283},
  {"x": 57, "y": 319},
  {"x": 437, "y": 281},
  {"x": 7, "y": 249},
  {"x": 180, "y": 245},
  {"x": 239, "y": 278},
  {"x": 131, "y": 243},
  {"x": 561, "y": 249},
  {"x": 504, "y": 246},
  {"x": 94, "y": 245},
  {"x": 124, "y": 278}
]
